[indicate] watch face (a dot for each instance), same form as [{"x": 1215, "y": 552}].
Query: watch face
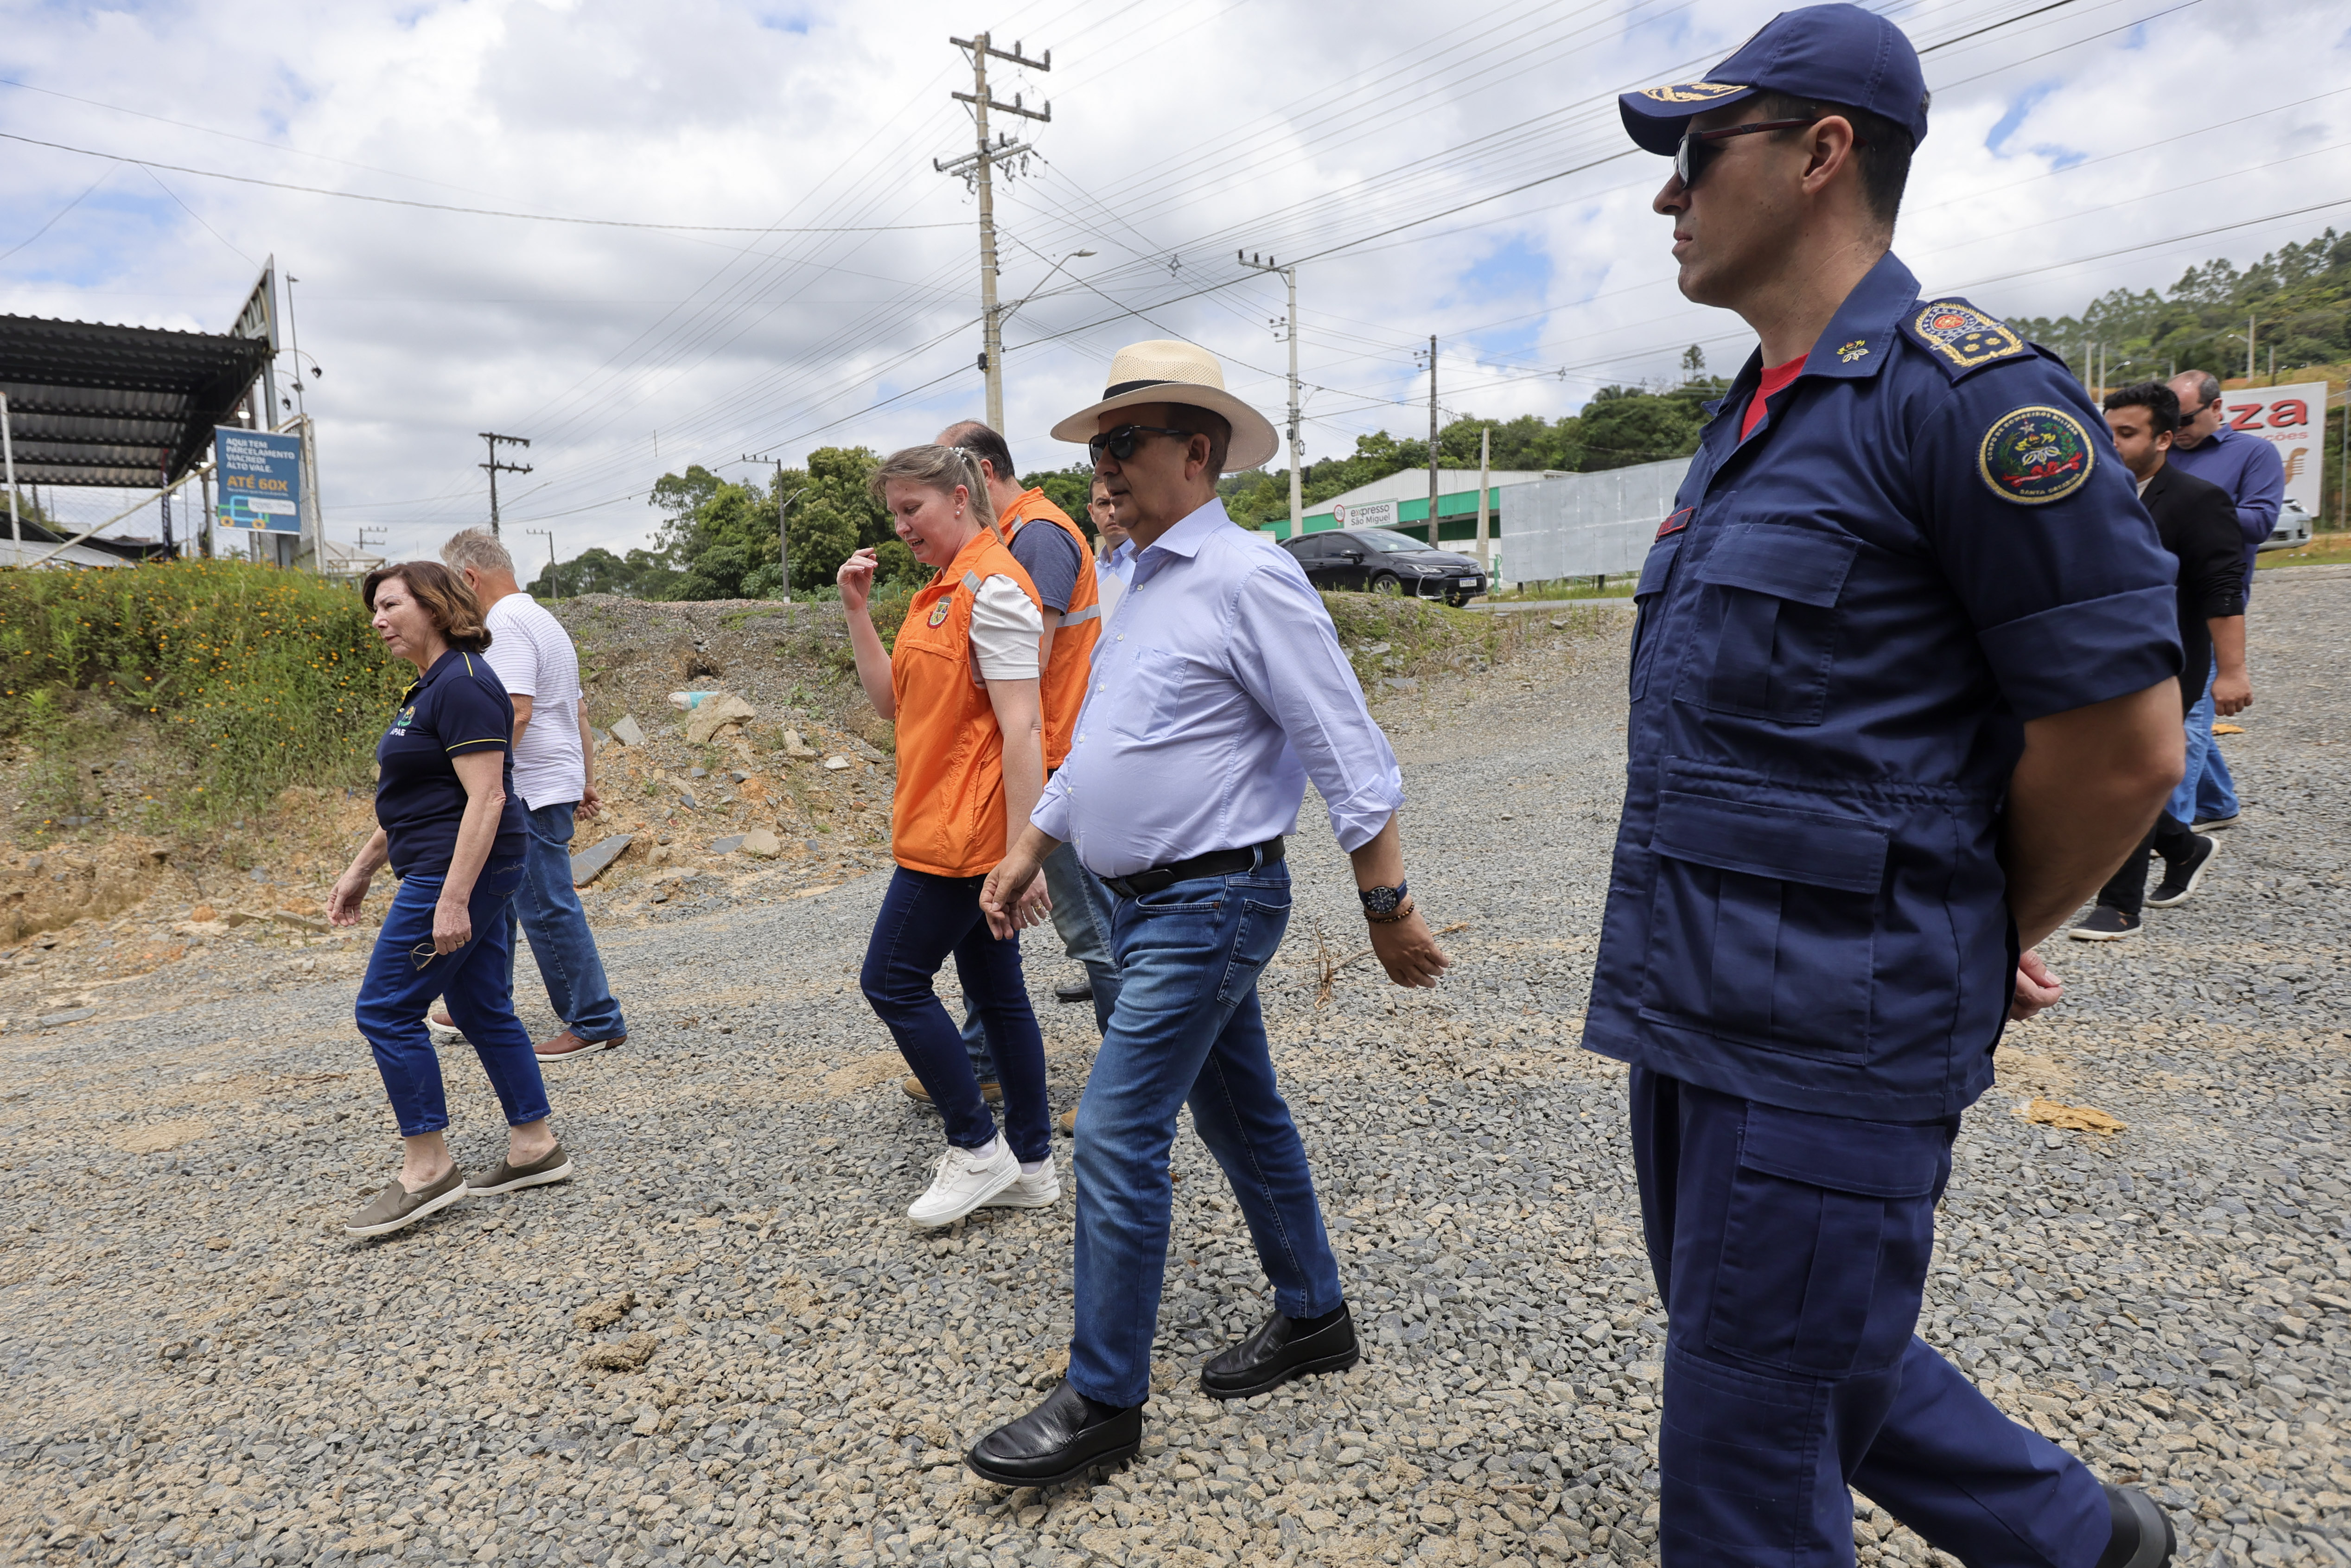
[{"x": 1380, "y": 899}]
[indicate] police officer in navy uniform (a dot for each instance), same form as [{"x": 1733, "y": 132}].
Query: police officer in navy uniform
[{"x": 1904, "y": 692}]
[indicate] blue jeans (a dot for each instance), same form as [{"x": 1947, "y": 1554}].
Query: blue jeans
[
  {"x": 546, "y": 906},
  {"x": 1082, "y": 920},
  {"x": 924, "y": 919},
  {"x": 1187, "y": 1029},
  {"x": 2205, "y": 791},
  {"x": 1791, "y": 1251},
  {"x": 475, "y": 981}
]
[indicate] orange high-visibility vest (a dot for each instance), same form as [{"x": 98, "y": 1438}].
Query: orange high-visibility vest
[
  {"x": 1062, "y": 690},
  {"x": 947, "y": 815}
]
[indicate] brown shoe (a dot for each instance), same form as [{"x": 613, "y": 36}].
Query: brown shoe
[
  {"x": 442, "y": 1028},
  {"x": 1069, "y": 1123},
  {"x": 567, "y": 1045},
  {"x": 554, "y": 1166},
  {"x": 397, "y": 1208},
  {"x": 991, "y": 1091}
]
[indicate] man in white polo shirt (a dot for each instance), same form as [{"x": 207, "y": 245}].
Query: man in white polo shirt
[{"x": 553, "y": 773}]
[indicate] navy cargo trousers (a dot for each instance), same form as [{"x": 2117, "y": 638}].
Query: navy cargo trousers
[{"x": 1791, "y": 1251}]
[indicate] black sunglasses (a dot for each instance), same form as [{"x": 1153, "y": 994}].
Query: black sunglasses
[
  {"x": 1122, "y": 442},
  {"x": 1700, "y": 148}
]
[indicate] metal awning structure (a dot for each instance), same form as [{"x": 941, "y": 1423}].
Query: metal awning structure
[{"x": 129, "y": 407}]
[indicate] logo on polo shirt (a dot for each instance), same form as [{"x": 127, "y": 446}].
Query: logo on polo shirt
[
  {"x": 2035, "y": 456},
  {"x": 402, "y": 720}
]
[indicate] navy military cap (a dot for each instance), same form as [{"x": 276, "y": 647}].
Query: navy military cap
[{"x": 1830, "y": 53}]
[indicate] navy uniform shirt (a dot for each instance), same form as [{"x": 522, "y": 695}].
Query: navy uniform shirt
[
  {"x": 459, "y": 707},
  {"x": 1844, "y": 625}
]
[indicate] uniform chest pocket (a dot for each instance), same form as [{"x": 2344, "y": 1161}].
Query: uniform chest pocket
[
  {"x": 1763, "y": 924},
  {"x": 1765, "y": 632},
  {"x": 1648, "y": 600}
]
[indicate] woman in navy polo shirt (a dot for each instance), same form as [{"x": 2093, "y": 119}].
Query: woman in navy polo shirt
[{"x": 453, "y": 830}]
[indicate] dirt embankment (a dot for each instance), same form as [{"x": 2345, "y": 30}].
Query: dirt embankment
[{"x": 792, "y": 796}]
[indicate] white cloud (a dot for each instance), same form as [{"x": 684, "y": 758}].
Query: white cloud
[{"x": 1179, "y": 132}]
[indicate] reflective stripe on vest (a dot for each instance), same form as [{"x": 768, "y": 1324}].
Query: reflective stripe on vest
[{"x": 1090, "y": 613}]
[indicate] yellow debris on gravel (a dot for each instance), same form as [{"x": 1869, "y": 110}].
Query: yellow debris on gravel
[{"x": 2071, "y": 1118}]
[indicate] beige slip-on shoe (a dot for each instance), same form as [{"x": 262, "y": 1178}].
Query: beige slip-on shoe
[{"x": 397, "y": 1208}]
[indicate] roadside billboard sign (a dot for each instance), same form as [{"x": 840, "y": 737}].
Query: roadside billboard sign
[
  {"x": 257, "y": 479},
  {"x": 2293, "y": 420}
]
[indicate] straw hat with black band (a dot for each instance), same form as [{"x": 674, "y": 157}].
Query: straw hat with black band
[{"x": 1165, "y": 371}]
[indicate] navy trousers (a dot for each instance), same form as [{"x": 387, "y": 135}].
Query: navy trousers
[{"x": 1791, "y": 1251}]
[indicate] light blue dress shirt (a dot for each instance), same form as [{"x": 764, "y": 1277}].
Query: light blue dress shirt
[{"x": 1218, "y": 690}]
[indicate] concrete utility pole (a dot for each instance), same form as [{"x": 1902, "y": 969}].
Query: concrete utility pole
[
  {"x": 497, "y": 468},
  {"x": 1485, "y": 464},
  {"x": 783, "y": 536},
  {"x": 2249, "y": 350},
  {"x": 1290, "y": 331},
  {"x": 549, "y": 535},
  {"x": 977, "y": 167},
  {"x": 1432, "y": 441}
]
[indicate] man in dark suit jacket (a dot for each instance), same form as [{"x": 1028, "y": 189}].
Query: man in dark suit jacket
[{"x": 2197, "y": 523}]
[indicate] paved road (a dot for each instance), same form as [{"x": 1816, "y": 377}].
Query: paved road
[{"x": 199, "y": 1369}]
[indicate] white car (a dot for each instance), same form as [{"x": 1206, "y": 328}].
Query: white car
[{"x": 2293, "y": 529}]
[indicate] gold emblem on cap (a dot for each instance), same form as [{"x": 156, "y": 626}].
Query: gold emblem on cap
[{"x": 1691, "y": 91}]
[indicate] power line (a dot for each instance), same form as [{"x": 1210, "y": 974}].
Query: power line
[{"x": 445, "y": 207}]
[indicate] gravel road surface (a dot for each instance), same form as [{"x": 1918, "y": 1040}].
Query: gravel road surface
[{"x": 724, "y": 1343}]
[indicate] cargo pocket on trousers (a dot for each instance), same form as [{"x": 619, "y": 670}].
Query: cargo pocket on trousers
[
  {"x": 1766, "y": 623},
  {"x": 1825, "y": 1241},
  {"x": 1763, "y": 924}
]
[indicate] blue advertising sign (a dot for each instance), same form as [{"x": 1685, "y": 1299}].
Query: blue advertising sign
[{"x": 258, "y": 476}]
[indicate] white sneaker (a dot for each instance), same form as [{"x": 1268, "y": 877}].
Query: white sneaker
[
  {"x": 966, "y": 1180},
  {"x": 1040, "y": 1188}
]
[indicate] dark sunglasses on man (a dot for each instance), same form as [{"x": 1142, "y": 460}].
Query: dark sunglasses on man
[
  {"x": 1700, "y": 148},
  {"x": 1121, "y": 442}
]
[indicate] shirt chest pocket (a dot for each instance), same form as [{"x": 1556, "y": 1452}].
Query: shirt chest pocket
[
  {"x": 1143, "y": 699},
  {"x": 1764, "y": 634}
]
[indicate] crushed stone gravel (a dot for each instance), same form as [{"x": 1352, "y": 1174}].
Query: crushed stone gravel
[{"x": 723, "y": 1345}]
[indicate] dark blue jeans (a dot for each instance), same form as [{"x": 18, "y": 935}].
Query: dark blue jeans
[
  {"x": 924, "y": 919},
  {"x": 1186, "y": 1030},
  {"x": 1081, "y": 919},
  {"x": 476, "y": 983},
  {"x": 1791, "y": 1251},
  {"x": 546, "y": 906}
]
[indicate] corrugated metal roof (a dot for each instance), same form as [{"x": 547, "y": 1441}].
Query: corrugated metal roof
[{"x": 130, "y": 407}]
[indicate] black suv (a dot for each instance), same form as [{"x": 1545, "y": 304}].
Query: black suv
[{"x": 1381, "y": 561}]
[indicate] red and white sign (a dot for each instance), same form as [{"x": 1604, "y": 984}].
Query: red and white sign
[{"x": 2293, "y": 420}]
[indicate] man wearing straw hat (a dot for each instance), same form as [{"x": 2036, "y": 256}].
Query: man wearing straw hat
[{"x": 1219, "y": 689}]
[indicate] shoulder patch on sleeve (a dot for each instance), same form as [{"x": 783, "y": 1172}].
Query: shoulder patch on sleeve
[
  {"x": 2036, "y": 454},
  {"x": 1963, "y": 338}
]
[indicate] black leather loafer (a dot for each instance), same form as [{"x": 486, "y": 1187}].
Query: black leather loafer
[
  {"x": 1075, "y": 991},
  {"x": 1282, "y": 1349},
  {"x": 1064, "y": 1437},
  {"x": 2142, "y": 1536}
]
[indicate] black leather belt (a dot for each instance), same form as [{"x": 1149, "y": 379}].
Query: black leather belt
[{"x": 1215, "y": 863}]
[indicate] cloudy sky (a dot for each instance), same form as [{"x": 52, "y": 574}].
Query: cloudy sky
[{"x": 799, "y": 275}]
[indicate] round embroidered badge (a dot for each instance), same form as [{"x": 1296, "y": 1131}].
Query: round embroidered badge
[
  {"x": 2035, "y": 456},
  {"x": 939, "y": 611}
]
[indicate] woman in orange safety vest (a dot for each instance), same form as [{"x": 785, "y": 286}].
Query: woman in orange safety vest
[{"x": 962, "y": 685}]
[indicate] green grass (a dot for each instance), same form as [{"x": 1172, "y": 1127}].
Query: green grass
[{"x": 248, "y": 678}]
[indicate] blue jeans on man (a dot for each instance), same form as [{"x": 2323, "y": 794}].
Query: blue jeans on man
[
  {"x": 2206, "y": 793},
  {"x": 405, "y": 975},
  {"x": 1081, "y": 914},
  {"x": 1187, "y": 1029},
  {"x": 548, "y": 909}
]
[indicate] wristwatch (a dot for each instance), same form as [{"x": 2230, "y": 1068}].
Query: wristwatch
[{"x": 1383, "y": 904}]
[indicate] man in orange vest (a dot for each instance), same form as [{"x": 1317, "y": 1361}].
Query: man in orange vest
[{"x": 1055, "y": 554}]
